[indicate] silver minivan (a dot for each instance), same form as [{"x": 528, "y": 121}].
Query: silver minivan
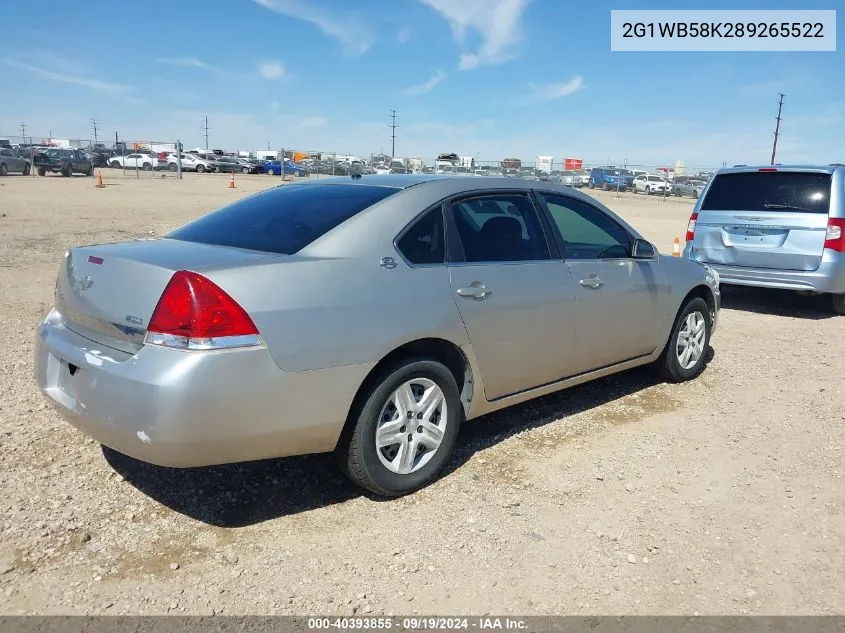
[{"x": 774, "y": 227}]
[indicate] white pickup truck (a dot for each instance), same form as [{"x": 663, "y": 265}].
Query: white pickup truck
[{"x": 131, "y": 161}]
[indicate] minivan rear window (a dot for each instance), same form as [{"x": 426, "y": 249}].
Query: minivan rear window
[
  {"x": 769, "y": 191},
  {"x": 284, "y": 219}
]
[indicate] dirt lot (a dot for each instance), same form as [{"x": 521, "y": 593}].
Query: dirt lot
[{"x": 625, "y": 496}]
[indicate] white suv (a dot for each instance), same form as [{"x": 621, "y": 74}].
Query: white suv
[
  {"x": 651, "y": 184},
  {"x": 190, "y": 162}
]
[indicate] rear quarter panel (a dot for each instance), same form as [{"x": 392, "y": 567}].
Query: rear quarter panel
[{"x": 320, "y": 313}]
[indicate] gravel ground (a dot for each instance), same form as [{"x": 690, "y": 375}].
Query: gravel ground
[{"x": 624, "y": 496}]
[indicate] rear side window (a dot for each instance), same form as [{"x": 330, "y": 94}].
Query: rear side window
[
  {"x": 769, "y": 191},
  {"x": 282, "y": 220},
  {"x": 425, "y": 241}
]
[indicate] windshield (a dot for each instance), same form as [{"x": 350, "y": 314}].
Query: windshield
[{"x": 769, "y": 191}]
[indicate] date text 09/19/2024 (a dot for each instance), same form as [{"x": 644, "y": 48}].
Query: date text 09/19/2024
[{"x": 415, "y": 623}]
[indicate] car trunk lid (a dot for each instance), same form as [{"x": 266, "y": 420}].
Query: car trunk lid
[
  {"x": 107, "y": 293},
  {"x": 774, "y": 219}
]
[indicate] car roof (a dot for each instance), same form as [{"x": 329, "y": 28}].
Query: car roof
[{"x": 741, "y": 169}]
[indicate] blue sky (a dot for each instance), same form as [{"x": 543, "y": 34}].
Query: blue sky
[{"x": 486, "y": 78}]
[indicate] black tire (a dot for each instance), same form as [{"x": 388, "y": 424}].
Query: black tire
[
  {"x": 245, "y": 170},
  {"x": 147, "y": 166},
  {"x": 41, "y": 172},
  {"x": 200, "y": 169},
  {"x": 27, "y": 170},
  {"x": 606, "y": 187},
  {"x": 4, "y": 170},
  {"x": 115, "y": 164},
  {"x": 173, "y": 167},
  {"x": 590, "y": 185},
  {"x": 668, "y": 365},
  {"x": 647, "y": 190},
  {"x": 357, "y": 452},
  {"x": 66, "y": 172},
  {"x": 90, "y": 171},
  {"x": 839, "y": 304},
  {"x": 695, "y": 193}
]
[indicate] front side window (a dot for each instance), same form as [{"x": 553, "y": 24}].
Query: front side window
[
  {"x": 587, "y": 232},
  {"x": 500, "y": 228}
]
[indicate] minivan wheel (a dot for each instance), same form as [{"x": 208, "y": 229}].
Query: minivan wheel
[
  {"x": 839, "y": 304},
  {"x": 684, "y": 355},
  {"x": 405, "y": 429}
]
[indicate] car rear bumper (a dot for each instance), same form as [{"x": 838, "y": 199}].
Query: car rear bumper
[
  {"x": 183, "y": 409},
  {"x": 829, "y": 277}
]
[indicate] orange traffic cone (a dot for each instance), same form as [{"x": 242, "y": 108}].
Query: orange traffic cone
[
  {"x": 232, "y": 181},
  {"x": 676, "y": 247},
  {"x": 100, "y": 184}
]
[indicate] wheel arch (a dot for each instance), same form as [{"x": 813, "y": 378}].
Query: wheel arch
[{"x": 438, "y": 349}]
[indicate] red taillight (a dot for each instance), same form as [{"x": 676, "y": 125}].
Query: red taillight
[
  {"x": 834, "y": 239},
  {"x": 691, "y": 227},
  {"x": 195, "y": 313},
  {"x": 767, "y": 169}
]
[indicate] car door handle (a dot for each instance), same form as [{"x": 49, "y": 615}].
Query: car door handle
[
  {"x": 591, "y": 282},
  {"x": 475, "y": 290}
]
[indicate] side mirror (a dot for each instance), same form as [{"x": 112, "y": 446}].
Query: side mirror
[{"x": 643, "y": 250}]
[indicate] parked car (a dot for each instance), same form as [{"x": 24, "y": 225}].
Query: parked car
[
  {"x": 610, "y": 178},
  {"x": 64, "y": 161},
  {"x": 134, "y": 161},
  {"x": 190, "y": 162},
  {"x": 250, "y": 166},
  {"x": 10, "y": 161},
  {"x": 688, "y": 187},
  {"x": 649, "y": 184},
  {"x": 774, "y": 227},
  {"x": 230, "y": 164},
  {"x": 275, "y": 168},
  {"x": 182, "y": 351}
]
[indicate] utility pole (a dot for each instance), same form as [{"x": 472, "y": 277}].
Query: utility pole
[
  {"x": 94, "y": 123},
  {"x": 23, "y": 132},
  {"x": 777, "y": 128},
  {"x": 393, "y": 127},
  {"x": 206, "y": 132}
]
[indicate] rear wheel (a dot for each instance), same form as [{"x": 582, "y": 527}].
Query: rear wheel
[
  {"x": 200, "y": 169},
  {"x": 245, "y": 170},
  {"x": 41, "y": 172},
  {"x": 27, "y": 169},
  {"x": 405, "y": 429},
  {"x": 173, "y": 167},
  {"x": 66, "y": 172},
  {"x": 114, "y": 164},
  {"x": 647, "y": 190},
  {"x": 4, "y": 170},
  {"x": 839, "y": 304},
  {"x": 147, "y": 166},
  {"x": 695, "y": 193},
  {"x": 683, "y": 357}
]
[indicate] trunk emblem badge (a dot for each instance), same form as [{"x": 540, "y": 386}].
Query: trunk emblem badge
[{"x": 81, "y": 284}]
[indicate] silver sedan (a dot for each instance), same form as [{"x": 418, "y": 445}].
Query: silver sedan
[{"x": 369, "y": 316}]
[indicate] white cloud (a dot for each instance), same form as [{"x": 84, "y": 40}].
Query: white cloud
[
  {"x": 119, "y": 91},
  {"x": 543, "y": 93},
  {"x": 355, "y": 35},
  {"x": 427, "y": 86},
  {"x": 403, "y": 35},
  {"x": 189, "y": 62},
  {"x": 271, "y": 70},
  {"x": 497, "y": 21}
]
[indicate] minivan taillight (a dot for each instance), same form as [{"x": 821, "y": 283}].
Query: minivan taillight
[
  {"x": 195, "y": 313},
  {"x": 691, "y": 227},
  {"x": 834, "y": 238}
]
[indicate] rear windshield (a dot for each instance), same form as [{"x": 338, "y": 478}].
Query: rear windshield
[
  {"x": 284, "y": 219},
  {"x": 769, "y": 191}
]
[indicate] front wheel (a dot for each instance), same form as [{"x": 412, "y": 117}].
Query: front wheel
[
  {"x": 173, "y": 167},
  {"x": 41, "y": 172},
  {"x": 147, "y": 166},
  {"x": 114, "y": 164},
  {"x": 684, "y": 356},
  {"x": 27, "y": 170},
  {"x": 405, "y": 430},
  {"x": 695, "y": 193},
  {"x": 4, "y": 170},
  {"x": 245, "y": 170}
]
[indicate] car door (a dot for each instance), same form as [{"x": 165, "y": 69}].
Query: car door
[
  {"x": 621, "y": 300},
  {"x": 515, "y": 296}
]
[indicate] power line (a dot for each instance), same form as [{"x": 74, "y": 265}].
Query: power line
[
  {"x": 94, "y": 123},
  {"x": 777, "y": 128},
  {"x": 206, "y": 132},
  {"x": 393, "y": 127}
]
